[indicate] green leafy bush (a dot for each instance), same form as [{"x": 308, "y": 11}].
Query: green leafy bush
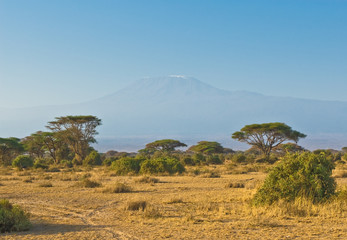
[
  {"x": 239, "y": 158},
  {"x": 161, "y": 165},
  {"x": 298, "y": 175},
  {"x": 108, "y": 161},
  {"x": 199, "y": 159},
  {"x": 40, "y": 163},
  {"x": 187, "y": 160},
  {"x": 213, "y": 159},
  {"x": 23, "y": 161},
  {"x": 93, "y": 158},
  {"x": 12, "y": 217},
  {"x": 126, "y": 165},
  {"x": 66, "y": 163}
]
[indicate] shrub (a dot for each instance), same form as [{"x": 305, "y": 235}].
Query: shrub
[
  {"x": 136, "y": 205},
  {"x": 87, "y": 183},
  {"x": 298, "y": 175},
  {"x": 146, "y": 179},
  {"x": 48, "y": 184},
  {"x": 162, "y": 165},
  {"x": 213, "y": 159},
  {"x": 126, "y": 165},
  {"x": 66, "y": 163},
  {"x": 187, "y": 160},
  {"x": 235, "y": 185},
  {"x": 92, "y": 159},
  {"x": 23, "y": 161},
  {"x": 12, "y": 217},
  {"x": 40, "y": 163},
  {"x": 118, "y": 188},
  {"x": 199, "y": 159},
  {"x": 239, "y": 158},
  {"x": 109, "y": 161}
]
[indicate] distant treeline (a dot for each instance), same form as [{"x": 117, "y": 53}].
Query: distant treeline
[{"x": 67, "y": 144}]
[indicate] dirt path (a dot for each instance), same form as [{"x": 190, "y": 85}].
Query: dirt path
[{"x": 53, "y": 221}]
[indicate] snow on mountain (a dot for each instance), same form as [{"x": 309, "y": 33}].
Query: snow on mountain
[{"x": 186, "y": 108}]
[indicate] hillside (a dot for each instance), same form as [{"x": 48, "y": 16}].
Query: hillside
[{"x": 186, "y": 108}]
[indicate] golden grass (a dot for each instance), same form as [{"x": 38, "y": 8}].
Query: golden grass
[{"x": 176, "y": 207}]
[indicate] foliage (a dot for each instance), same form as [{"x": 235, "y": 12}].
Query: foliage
[
  {"x": 199, "y": 159},
  {"x": 239, "y": 158},
  {"x": 41, "y": 163},
  {"x": 23, "y": 161},
  {"x": 126, "y": 165},
  {"x": 298, "y": 175},
  {"x": 77, "y": 131},
  {"x": 187, "y": 160},
  {"x": 13, "y": 217},
  {"x": 207, "y": 147},
  {"x": 9, "y": 149},
  {"x": 34, "y": 145},
  {"x": 267, "y": 136},
  {"x": 161, "y": 165},
  {"x": 284, "y": 148},
  {"x": 164, "y": 145},
  {"x": 108, "y": 161},
  {"x": 66, "y": 163},
  {"x": 214, "y": 159},
  {"x": 331, "y": 154},
  {"x": 92, "y": 159}
]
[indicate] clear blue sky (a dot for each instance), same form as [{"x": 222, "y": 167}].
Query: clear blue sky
[{"x": 65, "y": 51}]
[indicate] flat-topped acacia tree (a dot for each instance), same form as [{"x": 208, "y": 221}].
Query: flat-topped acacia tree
[
  {"x": 165, "y": 145},
  {"x": 267, "y": 136},
  {"x": 77, "y": 131},
  {"x": 207, "y": 147}
]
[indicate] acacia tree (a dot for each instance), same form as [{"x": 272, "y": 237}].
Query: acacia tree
[
  {"x": 34, "y": 145},
  {"x": 9, "y": 149},
  {"x": 207, "y": 147},
  {"x": 267, "y": 136},
  {"x": 77, "y": 131},
  {"x": 164, "y": 145}
]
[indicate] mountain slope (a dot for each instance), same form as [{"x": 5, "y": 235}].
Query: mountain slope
[{"x": 178, "y": 106}]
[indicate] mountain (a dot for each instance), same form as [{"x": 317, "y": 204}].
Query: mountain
[{"x": 188, "y": 109}]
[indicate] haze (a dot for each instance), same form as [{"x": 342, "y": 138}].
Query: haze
[{"x": 62, "y": 52}]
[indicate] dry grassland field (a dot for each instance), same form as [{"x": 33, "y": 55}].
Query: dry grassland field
[{"x": 204, "y": 203}]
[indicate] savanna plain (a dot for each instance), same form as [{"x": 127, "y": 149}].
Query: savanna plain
[{"x": 205, "y": 202}]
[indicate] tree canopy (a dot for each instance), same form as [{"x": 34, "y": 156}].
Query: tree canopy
[
  {"x": 77, "y": 131},
  {"x": 9, "y": 148},
  {"x": 165, "y": 145},
  {"x": 207, "y": 147},
  {"x": 267, "y": 136}
]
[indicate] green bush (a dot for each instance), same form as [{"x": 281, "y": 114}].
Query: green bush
[
  {"x": 126, "y": 165},
  {"x": 161, "y": 165},
  {"x": 92, "y": 159},
  {"x": 199, "y": 159},
  {"x": 108, "y": 161},
  {"x": 66, "y": 163},
  {"x": 213, "y": 159},
  {"x": 187, "y": 160},
  {"x": 23, "y": 161},
  {"x": 298, "y": 175},
  {"x": 40, "y": 163},
  {"x": 239, "y": 158},
  {"x": 12, "y": 217}
]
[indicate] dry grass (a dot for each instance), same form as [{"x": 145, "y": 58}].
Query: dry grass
[
  {"x": 46, "y": 184},
  {"x": 136, "y": 205},
  {"x": 118, "y": 188},
  {"x": 180, "y": 207},
  {"x": 147, "y": 179}
]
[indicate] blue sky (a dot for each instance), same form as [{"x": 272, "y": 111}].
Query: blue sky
[{"x": 67, "y": 51}]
